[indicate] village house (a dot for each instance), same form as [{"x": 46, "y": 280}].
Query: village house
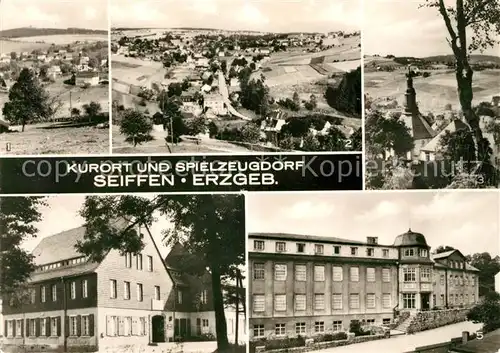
[
  {"x": 54, "y": 72},
  {"x": 87, "y": 78},
  {"x": 75, "y": 304},
  {"x": 215, "y": 102},
  {"x": 271, "y": 126}
]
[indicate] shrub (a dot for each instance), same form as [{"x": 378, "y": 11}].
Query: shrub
[{"x": 329, "y": 337}]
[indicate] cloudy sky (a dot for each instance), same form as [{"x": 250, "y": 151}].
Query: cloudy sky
[
  {"x": 402, "y": 29},
  {"x": 259, "y": 15},
  {"x": 61, "y": 214},
  {"x": 90, "y": 14},
  {"x": 464, "y": 220}
]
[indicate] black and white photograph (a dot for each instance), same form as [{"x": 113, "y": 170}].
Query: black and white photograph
[
  {"x": 149, "y": 273},
  {"x": 236, "y": 76},
  {"x": 380, "y": 272},
  {"x": 432, "y": 94},
  {"x": 54, "y": 78}
]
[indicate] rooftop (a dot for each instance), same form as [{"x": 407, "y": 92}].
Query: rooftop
[
  {"x": 410, "y": 238},
  {"x": 288, "y": 236}
]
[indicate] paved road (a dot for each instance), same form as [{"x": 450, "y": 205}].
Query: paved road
[
  {"x": 225, "y": 95},
  {"x": 407, "y": 343}
]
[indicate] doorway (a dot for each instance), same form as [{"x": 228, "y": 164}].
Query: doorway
[
  {"x": 158, "y": 323},
  {"x": 426, "y": 301}
]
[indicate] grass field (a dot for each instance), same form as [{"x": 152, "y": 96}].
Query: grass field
[
  {"x": 43, "y": 42},
  {"x": 37, "y": 140},
  {"x": 136, "y": 71},
  {"x": 433, "y": 92}
]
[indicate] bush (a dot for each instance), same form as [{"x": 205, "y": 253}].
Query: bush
[
  {"x": 289, "y": 342},
  {"x": 356, "y": 328},
  {"x": 329, "y": 337}
]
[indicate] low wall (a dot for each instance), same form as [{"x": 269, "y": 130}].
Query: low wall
[
  {"x": 325, "y": 345},
  {"x": 426, "y": 320}
]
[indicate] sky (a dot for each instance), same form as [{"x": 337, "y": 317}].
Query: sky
[
  {"x": 468, "y": 221},
  {"x": 89, "y": 14},
  {"x": 401, "y": 28},
  {"x": 255, "y": 15},
  {"x": 61, "y": 213}
]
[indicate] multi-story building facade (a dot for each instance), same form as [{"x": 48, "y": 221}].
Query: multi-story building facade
[
  {"x": 75, "y": 304},
  {"x": 306, "y": 285}
]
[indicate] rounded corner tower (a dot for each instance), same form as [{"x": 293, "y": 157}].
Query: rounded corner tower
[{"x": 412, "y": 239}]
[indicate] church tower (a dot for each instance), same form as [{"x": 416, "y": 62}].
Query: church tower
[{"x": 410, "y": 95}]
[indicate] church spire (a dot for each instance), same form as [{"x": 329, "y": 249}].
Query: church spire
[{"x": 411, "y": 96}]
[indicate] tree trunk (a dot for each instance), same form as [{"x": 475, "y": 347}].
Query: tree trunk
[
  {"x": 220, "y": 318},
  {"x": 22, "y": 130}
]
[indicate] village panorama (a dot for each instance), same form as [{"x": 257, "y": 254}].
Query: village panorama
[
  {"x": 54, "y": 92},
  {"x": 186, "y": 89}
]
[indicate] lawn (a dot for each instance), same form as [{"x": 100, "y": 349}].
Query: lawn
[{"x": 37, "y": 140}]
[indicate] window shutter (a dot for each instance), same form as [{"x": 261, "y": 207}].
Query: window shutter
[
  {"x": 58, "y": 326},
  {"x": 79, "y": 325},
  {"x": 5, "y": 328},
  {"x": 22, "y": 329},
  {"x": 108, "y": 325},
  {"x": 66, "y": 326},
  {"x": 47, "y": 327},
  {"x": 37, "y": 327},
  {"x": 14, "y": 328},
  {"x": 134, "y": 326},
  {"x": 91, "y": 325}
]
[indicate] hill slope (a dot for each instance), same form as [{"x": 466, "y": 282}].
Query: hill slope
[{"x": 34, "y": 32}]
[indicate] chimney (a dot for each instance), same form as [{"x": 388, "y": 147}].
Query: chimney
[
  {"x": 372, "y": 240},
  {"x": 465, "y": 337}
]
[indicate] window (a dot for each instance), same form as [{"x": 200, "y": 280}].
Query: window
[
  {"x": 43, "y": 327},
  {"x": 128, "y": 260},
  {"x": 466, "y": 299},
  {"x": 112, "y": 288},
  {"x": 73, "y": 290},
  {"x": 179, "y": 296},
  {"x": 280, "y": 302},
  {"x": 319, "y": 273},
  {"x": 337, "y": 274},
  {"x": 319, "y": 326},
  {"x": 19, "y": 327},
  {"x": 370, "y": 300},
  {"x": 280, "y": 246},
  {"x": 85, "y": 290},
  {"x": 53, "y": 326},
  {"x": 386, "y": 321},
  {"x": 258, "y": 330},
  {"x": 461, "y": 279},
  {"x": 466, "y": 280},
  {"x": 142, "y": 326},
  {"x": 386, "y": 300},
  {"x": 258, "y": 245},
  {"x": 204, "y": 296},
  {"x": 423, "y": 252},
  {"x": 337, "y": 326},
  {"x": 140, "y": 293},
  {"x": 54, "y": 292},
  {"x": 385, "y": 252},
  {"x": 441, "y": 298},
  {"x": 258, "y": 271},
  {"x": 318, "y": 249},
  {"x": 280, "y": 329},
  {"x": 258, "y": 303},
  {"x": 354, "y": 251},
  {"x": 150, "y": 263},
  {"x": 354, "y": 274},
  {"x": 409, "y": 300},
  {"x": 10, "y": 328},
  {"x": 139, "y": 262},
  {"x": 300, "y": 272},
  {"x": 354, "y": 301},
  {"x": 425, "y": 274},
  {"x": 409, "y": 252},
  {"x": 157, "y": 293},
  {"x": 301, "y": 247},
  {"x": 456, "y": 280},
  {"x": 441, "y": 280},
  {"x": 336, "y": 250},
  {"x": 472, "y": 299},
  {"x": 43, "y": 294},
  {"x": 112, "y": 325},
  {"x": 337, "y": 301},
  {"x": 370, "y": 321},
  {"x": 85, "y": 325},
  {"x": 300, "y": 302},
  {"x": 319, "y": 302},
  {"x": 73, "y": 326},
  {"x": 370, "y": 252},
  {"x": 409, "y": 275},
  {"x": 300, "y": 328},
  {"x": 386, "y": 275},
  {"x": 127, "y": 326},
  {"x": 279, "y": 272},
  {"x": 370, "y": 274}
]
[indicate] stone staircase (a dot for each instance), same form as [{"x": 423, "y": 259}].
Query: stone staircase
[{"x": 403, "y": 325}]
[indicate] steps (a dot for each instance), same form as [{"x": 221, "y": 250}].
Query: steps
[{"x": 403, "y": 326}]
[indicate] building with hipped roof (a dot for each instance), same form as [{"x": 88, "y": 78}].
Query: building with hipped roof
[
  {"x": 308, "y": 285},
  {"x": 74, "y": 304}
]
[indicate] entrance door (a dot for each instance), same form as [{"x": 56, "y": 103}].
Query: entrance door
[
  {"x": 183, "y": 329},
  {"x": 426, "y": 301},
  {"x": 158, "y": 333}
]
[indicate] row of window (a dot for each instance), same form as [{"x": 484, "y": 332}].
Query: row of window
[
  {"x": 459, "y": 280},
  {"x": 301, "y": 327},
  {"x": 64, "y": 263},
  {"x": 411, "y": 252},
  {"x": 410, "y": 274},
  {"x": 319, "y": 249},
  {"x": 125, "y": 326},
  {"x": 84, "y": 293},
  {"x": 300, "y": 301},
  {"x": 280, "y": 273},
  {"x": 77, "y": 325},
  {"x": 138, "y": 261}
]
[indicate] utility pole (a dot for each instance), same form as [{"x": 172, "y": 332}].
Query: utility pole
[{"x": 237, "y": 303}]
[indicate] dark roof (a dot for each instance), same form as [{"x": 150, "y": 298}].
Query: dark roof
[
  {"x": 58, "y": 247},
  {"x": 410, "y": 239},
  {"x": 489, "y": 344},
  {"x": 443, "y": 255},
  {"x": 87, "y": 74},
  {"x": 420, "y": 127},
  {"x": 301, "y": 237},
  {"x": 86, "y": 267}
]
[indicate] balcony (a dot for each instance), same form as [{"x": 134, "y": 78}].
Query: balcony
[{"x": 158, "y": 305}]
